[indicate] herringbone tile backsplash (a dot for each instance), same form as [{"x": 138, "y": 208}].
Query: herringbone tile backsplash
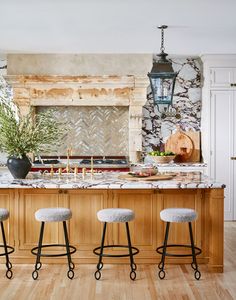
[{"x": 93, "y": 130}]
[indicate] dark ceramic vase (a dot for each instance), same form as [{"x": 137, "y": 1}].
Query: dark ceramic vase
[{"x": 19, "y": 167}]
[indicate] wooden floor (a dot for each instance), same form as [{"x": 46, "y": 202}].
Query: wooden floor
[{"x": 116, "y": 285}]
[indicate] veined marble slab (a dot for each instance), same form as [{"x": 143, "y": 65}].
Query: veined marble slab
[
  {"x": 187, "y": 98},
  {"x": 108, "y": 180}
]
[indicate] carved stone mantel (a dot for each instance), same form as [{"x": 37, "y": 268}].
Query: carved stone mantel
[{"x": 32, "y": 90}]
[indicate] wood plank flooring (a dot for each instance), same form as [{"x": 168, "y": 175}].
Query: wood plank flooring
[{"x": 116, "y": 285}]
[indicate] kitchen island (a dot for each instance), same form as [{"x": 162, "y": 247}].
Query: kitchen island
[{"x": 86, "y": 196}]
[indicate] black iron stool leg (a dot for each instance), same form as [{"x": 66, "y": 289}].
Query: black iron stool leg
[
  {"x": 161, "y": 265},
  {"x": 8, "y": 263},
  {"x": 194, "y": 264},
  {"x": 70, "y": 273},
  {"x": 97, "y": 274},
  {"x": 132, "y": 264},
  {"x": 38, "y": 264}
]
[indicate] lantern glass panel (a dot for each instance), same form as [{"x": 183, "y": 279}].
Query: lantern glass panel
[{"x": 162, "y": 88}]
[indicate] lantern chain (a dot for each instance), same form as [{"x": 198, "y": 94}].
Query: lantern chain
[
  {"x": 162, "y": 27},
  {"x": 162, "y": 40}
]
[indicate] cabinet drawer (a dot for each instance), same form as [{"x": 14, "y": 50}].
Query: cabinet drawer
[{"x": 222, "y": 77}]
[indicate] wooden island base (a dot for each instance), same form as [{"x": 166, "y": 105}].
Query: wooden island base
[{"x": 147, "y": 230}]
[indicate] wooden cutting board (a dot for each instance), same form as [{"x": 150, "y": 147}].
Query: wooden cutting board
[
  {"x": 181, "y": 145},
  {"x": 150, "y": 178},
  {"x": 185, "y": 144},
  {"x": 195, "y": 137}
]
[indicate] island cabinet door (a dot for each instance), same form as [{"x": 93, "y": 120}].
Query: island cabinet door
[
  {"x": 7, "y": 198},
  {"x": 30, "y": 201},
  {"x": 85, "y": 230},
  {"x": 143, "y": 229}
]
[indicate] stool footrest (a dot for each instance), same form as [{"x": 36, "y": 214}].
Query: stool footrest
[
  {"x": 134, "y": 251},
  {"x": 11, "y": 250},
  {"x": 72, "y": 250},
  {"x": 160, "y": 250}
]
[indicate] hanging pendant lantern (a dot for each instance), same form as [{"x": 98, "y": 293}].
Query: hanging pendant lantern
[{"x": 162, "y": 76}]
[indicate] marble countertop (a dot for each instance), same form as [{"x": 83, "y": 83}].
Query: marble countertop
[
  {"x": 187, "y": 165},
  {"x": 107, "y": 180},
  {"x": 172, "y": 164}
]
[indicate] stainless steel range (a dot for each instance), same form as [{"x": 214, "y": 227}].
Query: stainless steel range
[
  {"x": 104, "y": 162},
  {"x": 99, "y": 163}
]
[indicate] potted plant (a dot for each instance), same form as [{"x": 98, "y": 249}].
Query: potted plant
[{"x": 21, "y": 134}]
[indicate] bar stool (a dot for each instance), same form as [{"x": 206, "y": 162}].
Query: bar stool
[
  {"x": 178, "y": 215},
  {"x": 57, "y": 214},
  {"x": 4, "y": 215},
  {"x": 118, "y": 215}
]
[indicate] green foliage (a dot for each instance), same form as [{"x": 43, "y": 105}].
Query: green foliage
[
  {"x": 23, "y": 134},
  {"x": 158, "y": 153}
]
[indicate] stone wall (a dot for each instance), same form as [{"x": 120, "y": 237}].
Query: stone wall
[
  {"x": 88, "y": 65},
  {"x": 187, "y": 98},
  {"x": 88, "y": 91}
]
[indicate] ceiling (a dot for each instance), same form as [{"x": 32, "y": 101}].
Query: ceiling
[{"x": 117, "y": 26}]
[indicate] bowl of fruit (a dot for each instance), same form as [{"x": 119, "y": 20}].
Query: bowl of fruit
[
  {"x": 162, "y": 157},
  {"x": 143, "y": 170}
]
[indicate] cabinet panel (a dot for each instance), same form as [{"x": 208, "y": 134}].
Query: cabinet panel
[
  {"x": 85, "y": 230},
  {"x": 5, "y": 200},
  {"x": 143, "y": 229},
  {"x": 179, "y": 232},
  {"x": 30, "y": 202},
  {"x": 222, "y": 138},
  {"x": 222, "y": 77}
]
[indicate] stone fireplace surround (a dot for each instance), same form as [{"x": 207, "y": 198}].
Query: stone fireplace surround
[{"x": 130, "y": 91}]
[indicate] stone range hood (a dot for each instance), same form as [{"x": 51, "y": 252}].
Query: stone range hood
[{"x": 129, "y": 91}]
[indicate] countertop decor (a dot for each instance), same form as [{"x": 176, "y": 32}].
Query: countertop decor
[{"x": 108, "y": 180}]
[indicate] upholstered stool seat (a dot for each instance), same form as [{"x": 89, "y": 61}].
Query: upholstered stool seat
[
  {"x": 53, "y": 214},
  {"x": 178, "y": 215},
  {"x": 111, "y": 215},
  {"x": 4, "y": 214},
  {"x": 115, "y": 215}
]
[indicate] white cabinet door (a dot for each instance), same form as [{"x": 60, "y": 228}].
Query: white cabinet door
[
  {"x": 234, "y": 155},
  {"x": 222, "y": 143},
  {"x": 222, "y": 77}
]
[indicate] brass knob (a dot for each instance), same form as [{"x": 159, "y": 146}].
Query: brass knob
[
  {"x": 233, "y": 158},
  {"x": 52, "y": 170},
  {"x": 60, "y": 171},
  {"x": 83, "y": 173},
  {"x": 76, "y": 170}
]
